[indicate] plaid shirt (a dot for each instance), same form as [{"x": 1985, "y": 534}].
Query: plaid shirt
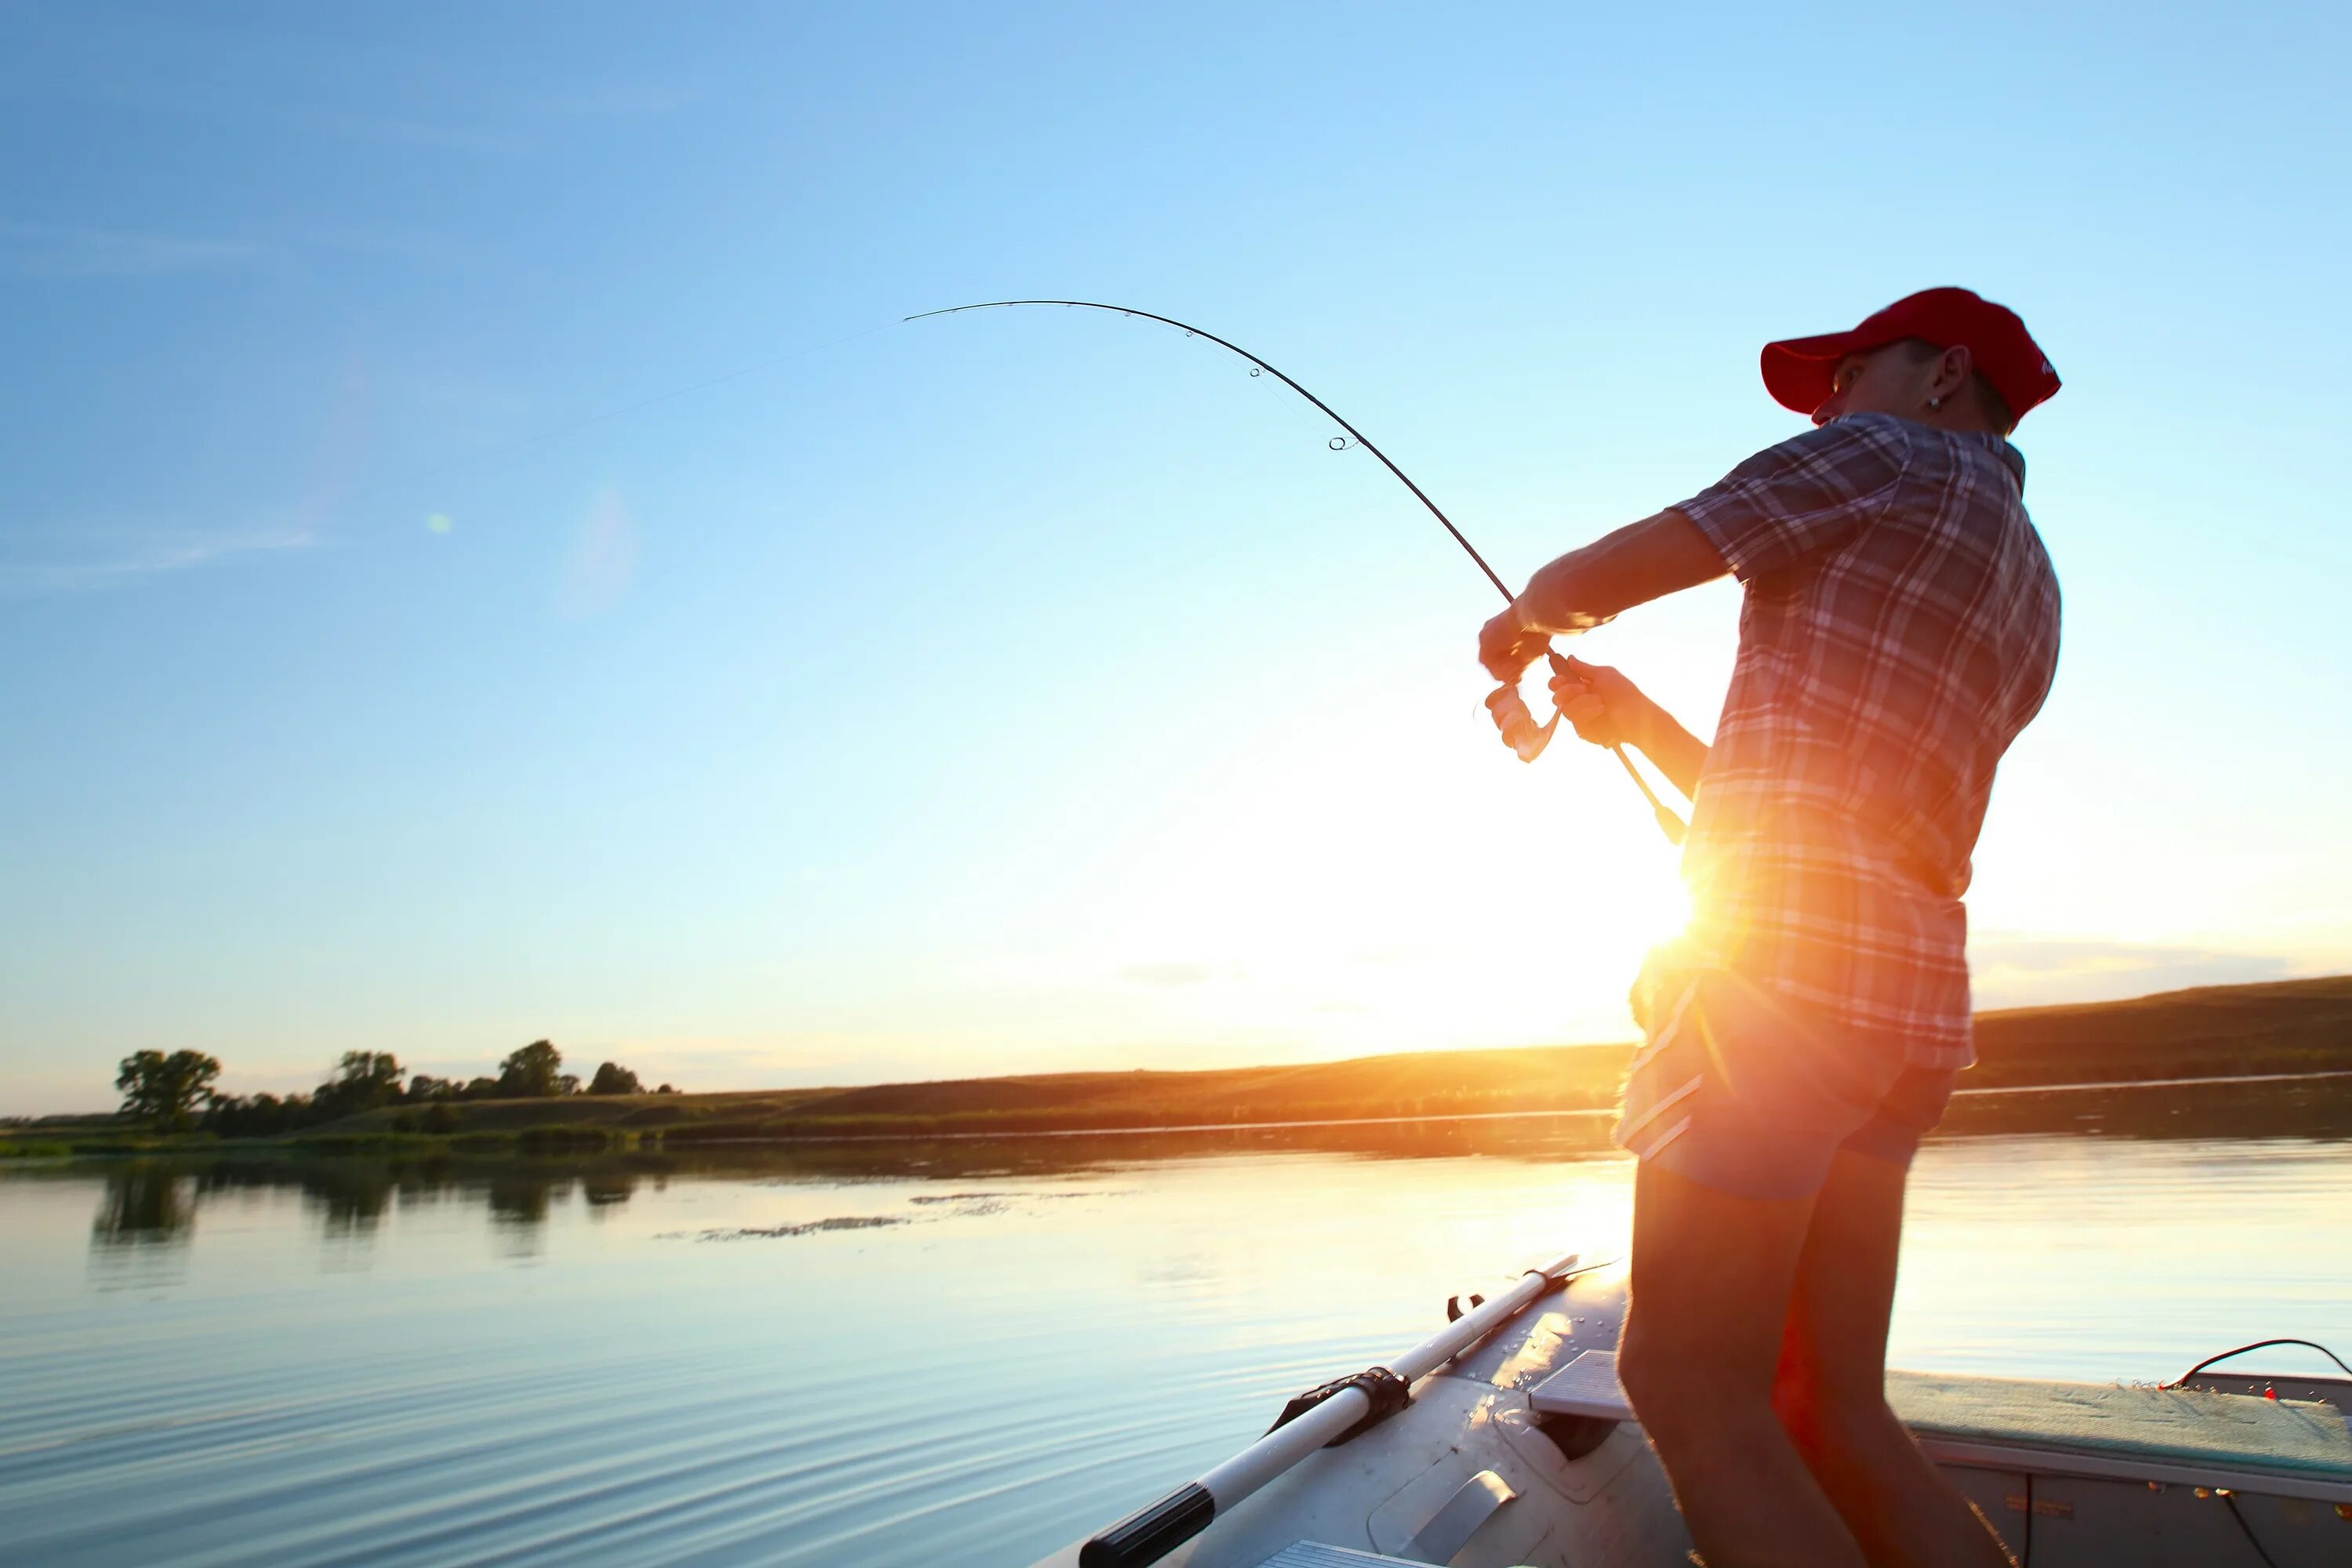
[{"x": 1900, "y": 627}]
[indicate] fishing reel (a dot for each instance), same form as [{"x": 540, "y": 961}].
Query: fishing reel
[{"x": 1518, "y": 727}]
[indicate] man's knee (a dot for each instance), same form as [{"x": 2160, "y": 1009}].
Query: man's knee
[
  {"x": 1672, "y": 1379},
  {"x": 1850, "y": 1429},
  {"x": 1666, "y": 1399}
]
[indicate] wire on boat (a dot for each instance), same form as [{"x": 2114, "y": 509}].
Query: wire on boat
[
  {"x": 2260, "y": 1344},
  {"x": 2245, "y": 1526},
  {"x": 1670, "y": 824},
  {"x": 2247, "y": 1531}
]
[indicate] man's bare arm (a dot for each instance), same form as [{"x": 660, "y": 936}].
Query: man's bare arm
[
  {"x": 1641, "y": 562},
  {"x": 1680, "y": 755}
]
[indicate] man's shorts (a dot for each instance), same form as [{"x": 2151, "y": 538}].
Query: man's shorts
[{"x": 1740, "y": 1091}]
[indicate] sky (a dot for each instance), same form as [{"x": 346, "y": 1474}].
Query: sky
[{"x": 483, "y": 560}]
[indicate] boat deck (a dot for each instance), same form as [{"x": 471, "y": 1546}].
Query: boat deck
[
  {"x": 2203, "y": 1435},
  {"x": 2187, "y": 1435}
]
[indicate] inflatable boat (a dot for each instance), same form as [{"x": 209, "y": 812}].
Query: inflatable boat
[{"x": 1505, "y": 1441}]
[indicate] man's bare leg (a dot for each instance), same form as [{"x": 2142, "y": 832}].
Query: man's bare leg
[
  {"x": 1711, "y": 1281},
  {"x": 1830, "y": 1389}
]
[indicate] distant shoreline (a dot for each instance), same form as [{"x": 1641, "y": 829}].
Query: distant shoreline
[
  {"x": 2105, "y": 1087},
  {"x": 2285, "y": 1032}
]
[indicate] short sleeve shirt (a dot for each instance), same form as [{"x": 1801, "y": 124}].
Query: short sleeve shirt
[{"x": 1900, "y": 628}]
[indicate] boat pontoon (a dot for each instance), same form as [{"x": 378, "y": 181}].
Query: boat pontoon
[{"x": 1504, "y": 1440}]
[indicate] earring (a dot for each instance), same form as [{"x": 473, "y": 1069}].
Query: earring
[{"x": 1935, "y": 403}]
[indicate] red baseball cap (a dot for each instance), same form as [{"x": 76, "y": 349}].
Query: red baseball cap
[{"x": 1797, "y": 371}]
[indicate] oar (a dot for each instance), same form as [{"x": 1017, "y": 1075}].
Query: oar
[{"x": 1331, "y": 1414}]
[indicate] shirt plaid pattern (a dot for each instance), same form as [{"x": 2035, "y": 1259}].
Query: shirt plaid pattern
[{"x": 1900, "y": 628}]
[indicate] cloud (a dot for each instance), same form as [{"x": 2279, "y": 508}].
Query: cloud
[
  {"x": 619, "y": 99},
  {"x": 356, "y": 91},
  {"x": 72, "y": 250},
  {"x": 2019, "y": 969},
  {"x": 392, "y": 131},
  {"x": 68, "y": 251},
  {"x": 102, "y": 558},
  {"x": 1165, "y": 974}
]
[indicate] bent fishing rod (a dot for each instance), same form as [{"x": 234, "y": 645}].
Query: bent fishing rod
[{"x": 1510, "y": 714}]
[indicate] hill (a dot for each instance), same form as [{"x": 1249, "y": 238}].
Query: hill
[
  {"x": 2288, "y": 1026},
  {"x": 2300, "y": 1025}
]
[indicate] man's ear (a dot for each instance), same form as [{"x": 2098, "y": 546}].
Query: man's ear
[{"x": 1953, "y": 372}]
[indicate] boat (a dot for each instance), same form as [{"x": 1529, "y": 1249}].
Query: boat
[{"x": 1503, "y": 1440}]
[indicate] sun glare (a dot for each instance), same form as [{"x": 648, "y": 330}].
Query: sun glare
[{"x": 1339, "y": 890}]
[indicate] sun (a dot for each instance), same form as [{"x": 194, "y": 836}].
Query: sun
[{"x": 1333, "y": 889}]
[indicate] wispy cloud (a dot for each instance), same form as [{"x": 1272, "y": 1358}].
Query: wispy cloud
[
  {"x": 65, "y": 250},
  {"x": 1165, "y": 974},
  {"x": 393, "y": 132},
  {"x": 617, "y": 100},
  {"x": 79, "y": 560},
  {"x": 225, "y": 71},
  {"x": 73, "y": 250}
]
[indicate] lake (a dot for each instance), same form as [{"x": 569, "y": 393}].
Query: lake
[{"x": 961, "y": 1351}]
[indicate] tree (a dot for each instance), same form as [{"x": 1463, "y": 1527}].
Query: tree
[
  {"x": 164, "y": 1090},
  {"x": 262, "y": 1116},
  {"x": 425, "y": 1086},
  {"x": 363, "y": 1080},
  {"x": 614, "y": 1079},
  {"x": 534, "y": 1072}
]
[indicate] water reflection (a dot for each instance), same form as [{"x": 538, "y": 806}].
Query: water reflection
[
  {"x": 144, "y": 1206},
  {"x": 523, "y": 1197},
  {"x": 602, "y": 1189},
  {"x": 153, "y": 1201}
]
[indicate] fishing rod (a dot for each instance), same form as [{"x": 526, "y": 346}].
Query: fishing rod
[{"x": 1510, "y": 714}]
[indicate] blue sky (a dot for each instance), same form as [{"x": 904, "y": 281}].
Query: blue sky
[{"x": 482, "y": 562}]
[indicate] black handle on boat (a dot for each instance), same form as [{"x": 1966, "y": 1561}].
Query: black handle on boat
[{"x": 1151, "y": 1533}]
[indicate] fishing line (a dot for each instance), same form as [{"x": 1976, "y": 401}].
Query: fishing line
[{"x": 1671, "y": 824}]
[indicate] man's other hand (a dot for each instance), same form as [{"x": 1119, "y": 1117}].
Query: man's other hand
[{"x": 1603, "y": 706}]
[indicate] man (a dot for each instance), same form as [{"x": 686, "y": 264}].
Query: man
[{"x": 1900, "y": 627}]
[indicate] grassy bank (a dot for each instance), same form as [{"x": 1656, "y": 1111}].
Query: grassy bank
[{"x": 2291, "y": 1026}]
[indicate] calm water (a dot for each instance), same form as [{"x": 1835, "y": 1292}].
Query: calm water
[{"x": 950, "y": 1353}]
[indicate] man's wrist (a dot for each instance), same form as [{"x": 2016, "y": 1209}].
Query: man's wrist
[
  {"x": 1549, "y": 605},
  {"x": 1528, "y": 608},
  {"x": 1640, "y": 728}
]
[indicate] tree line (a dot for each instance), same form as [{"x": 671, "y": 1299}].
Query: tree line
[{"x": 174, "y": 1093}]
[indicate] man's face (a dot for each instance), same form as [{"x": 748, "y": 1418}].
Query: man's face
[{"x": 1891, "y": 379}]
